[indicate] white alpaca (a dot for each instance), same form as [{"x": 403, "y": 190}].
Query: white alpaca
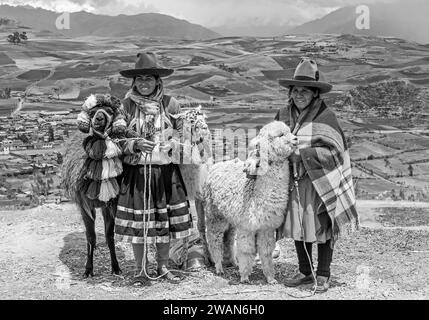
[{"x": 249, "y": 199}]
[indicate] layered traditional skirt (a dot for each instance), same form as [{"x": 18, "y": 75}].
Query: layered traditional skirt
[
  {"x": 169, "y": 216},
  {"x": 306, "y": 218}
]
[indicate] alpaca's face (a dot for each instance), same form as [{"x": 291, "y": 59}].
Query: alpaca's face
[
  {"x": 201, "y": 128},
  {"x": 273, "y": 144}
]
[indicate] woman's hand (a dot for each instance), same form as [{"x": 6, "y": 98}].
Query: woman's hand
[
  {"x": 150, "y": 108},
  {"x": 295, "y": 156},
  {"x": 143, "y": 145},
  {"x": 294, "y": 140}
]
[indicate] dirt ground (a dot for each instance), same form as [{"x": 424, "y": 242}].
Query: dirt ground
[{"x": 43, "y": 252}]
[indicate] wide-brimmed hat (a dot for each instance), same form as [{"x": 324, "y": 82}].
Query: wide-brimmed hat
[
  {"x": 307, "y": 74},
  {"x": 146, "y": 64}
]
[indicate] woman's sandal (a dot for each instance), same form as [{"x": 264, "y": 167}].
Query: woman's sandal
[
  {"x": 141, "y": 281},
  {"x": 169, "y": 276}
]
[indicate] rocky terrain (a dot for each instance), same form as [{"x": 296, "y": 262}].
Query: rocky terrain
[{"x": 43, "y": 252}]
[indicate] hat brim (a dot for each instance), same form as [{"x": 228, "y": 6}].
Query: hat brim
[
  {"x": 324, "y": 87},
  {"x": 131, "y": 73}
]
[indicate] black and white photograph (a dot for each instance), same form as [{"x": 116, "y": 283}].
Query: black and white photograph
[{"x": 226, "y": 151}]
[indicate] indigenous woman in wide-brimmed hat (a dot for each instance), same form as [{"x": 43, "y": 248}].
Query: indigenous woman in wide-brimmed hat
[
  {"x": 321, "y": 199},
  {"x": 148, "y": 112}
]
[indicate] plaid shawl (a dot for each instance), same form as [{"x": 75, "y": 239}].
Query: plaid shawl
[{"x": 325, "y": 155}]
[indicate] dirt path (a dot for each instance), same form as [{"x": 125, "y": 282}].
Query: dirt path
[{"x": 42, "y": 256}]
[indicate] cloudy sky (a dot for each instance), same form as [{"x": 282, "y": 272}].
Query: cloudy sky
[{"x": 209, "y": 13}]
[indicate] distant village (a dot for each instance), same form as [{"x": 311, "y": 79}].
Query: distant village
[{"x": 30, "y": 152}]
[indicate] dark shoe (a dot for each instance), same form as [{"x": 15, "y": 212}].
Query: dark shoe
[
  {"x": 299, "y": 279},
  {"x": 322, "y": 284}
]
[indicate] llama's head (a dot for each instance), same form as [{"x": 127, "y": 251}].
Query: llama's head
[
  {"x": 273, "y": 145},
  {"x": 194, "y": 132},
  {"x": 101, "y": 116},
  {"x": 193, "y": 122}
]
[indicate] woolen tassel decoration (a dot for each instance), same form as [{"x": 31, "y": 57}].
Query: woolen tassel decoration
[
  {"x": 119, "y": 121},
  {"x": 113, "y": 169},
  {"x": 91, "y": 166},
  {"x": 109, "y": 169},
  {"x": 119, "y": 124},
  {"x": 95, "y": 170},
  {"x": 83, "y": 122},
  {"x": 86, "y": 167},
  {"x": 98, "y": 173},
  {"x": 87, "y": 145},
  {"x": 98, "y": 149},
  {"x": 83, "y": 127},
  {"x": 112, "y": 150},
  {"x": 89, "y": 103},
  {"x": 93, "y": 190},
  {"x": 118, "y": 166},
  {"x": 106, "y": 169},
  {"x": 115, "y": 185},
  {"x": 107, "y": 191},
  {"x": 83, "y": 117},
  {"x": 94, "y": 147}
]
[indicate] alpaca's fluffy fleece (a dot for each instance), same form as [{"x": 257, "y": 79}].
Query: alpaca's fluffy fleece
[{"x": 255, "y": 207}]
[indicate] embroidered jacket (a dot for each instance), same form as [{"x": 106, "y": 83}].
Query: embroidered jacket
[{"x": 163, "y": 128}]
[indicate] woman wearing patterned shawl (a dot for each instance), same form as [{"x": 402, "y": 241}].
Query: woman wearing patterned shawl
[
  {"x": 148, "y": 113},
  {"x": 321, "y": 200}
]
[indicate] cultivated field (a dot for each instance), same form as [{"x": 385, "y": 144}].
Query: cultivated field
[{"x": 237, "y": 79}]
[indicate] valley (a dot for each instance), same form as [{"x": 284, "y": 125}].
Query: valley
[{"x": 380, "y": 90}]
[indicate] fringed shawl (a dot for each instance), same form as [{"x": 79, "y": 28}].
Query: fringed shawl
[{"x": 325, "y": 155}]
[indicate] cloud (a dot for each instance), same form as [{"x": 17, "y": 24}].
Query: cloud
[
  {"x": 234, "y": 13},
  {"x": 241, "y": 13},
  {"x": 109, "y": 7}
]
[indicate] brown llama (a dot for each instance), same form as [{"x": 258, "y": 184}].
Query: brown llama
[{"x": 92, "y": 168}]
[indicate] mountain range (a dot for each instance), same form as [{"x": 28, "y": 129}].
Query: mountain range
[
  {"x": 402, "y": 19},
  {"x": 85, "y": 24},
  {"x": 405, "y": 19}
]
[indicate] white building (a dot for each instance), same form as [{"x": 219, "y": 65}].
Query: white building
[{"x": 5, "y": 150}]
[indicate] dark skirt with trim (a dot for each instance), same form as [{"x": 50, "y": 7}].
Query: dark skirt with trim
[{"x": 169, "y": 216}]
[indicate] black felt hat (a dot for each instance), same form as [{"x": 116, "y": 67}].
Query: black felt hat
[{"x": 146, "y": 65}]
